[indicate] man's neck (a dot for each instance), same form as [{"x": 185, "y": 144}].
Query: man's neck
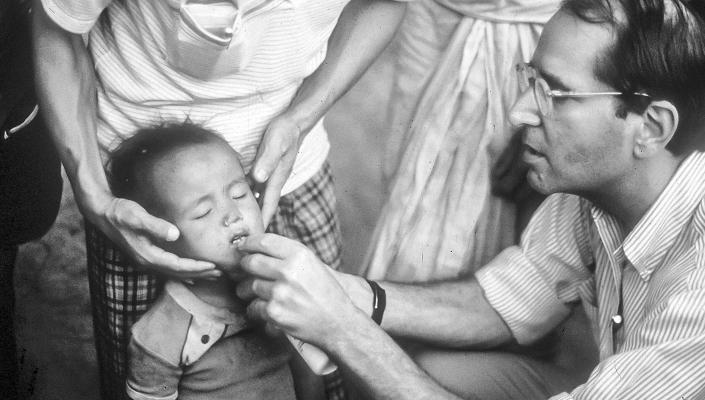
[{"x": 629, "y": 199}]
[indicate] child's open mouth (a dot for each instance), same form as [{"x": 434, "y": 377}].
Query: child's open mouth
[{"x": 237, "y": 238}]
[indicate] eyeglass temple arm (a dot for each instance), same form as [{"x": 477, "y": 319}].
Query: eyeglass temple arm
[{"x": 558, "y": 93}]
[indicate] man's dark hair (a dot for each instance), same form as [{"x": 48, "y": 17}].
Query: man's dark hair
[
  {"x": 137, "y": 155},
  {"x": 659, "y": 50}
]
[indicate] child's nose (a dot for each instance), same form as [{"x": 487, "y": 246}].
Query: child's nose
[{"x": 231, "y": 217}]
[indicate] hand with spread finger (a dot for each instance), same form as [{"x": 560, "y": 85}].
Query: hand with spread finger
[
  {"x": 292, "y": 289},
  {"x": 136, "y": 231}
]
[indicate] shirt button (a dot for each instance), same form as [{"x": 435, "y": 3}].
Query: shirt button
[{"x": 205, "y": 339}]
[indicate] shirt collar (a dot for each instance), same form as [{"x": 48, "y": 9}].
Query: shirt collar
[{"x": 648, "y": 243}]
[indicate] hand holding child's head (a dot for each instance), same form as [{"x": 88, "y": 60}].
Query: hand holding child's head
[{"x": 191, "y": 177}]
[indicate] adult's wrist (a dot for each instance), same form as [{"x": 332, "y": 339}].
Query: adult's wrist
[
  {"x": 302, "y": 117},
  {"x": 357, "y": 325},
  {"x": 93, "y": 202},
  {"x": 358, "y": 290}
]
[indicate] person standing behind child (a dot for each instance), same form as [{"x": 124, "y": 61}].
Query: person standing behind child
[
  {"x": 196, "y": 342},
  {"x": 261, "y": 73}
]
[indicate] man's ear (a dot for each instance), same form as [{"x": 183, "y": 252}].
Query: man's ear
[{"x": 660, "y": 121}]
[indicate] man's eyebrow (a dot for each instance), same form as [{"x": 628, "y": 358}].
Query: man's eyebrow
[{"x": 554, "y": 82}]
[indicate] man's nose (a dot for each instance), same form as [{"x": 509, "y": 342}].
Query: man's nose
[{"x": 525, "y": 111}]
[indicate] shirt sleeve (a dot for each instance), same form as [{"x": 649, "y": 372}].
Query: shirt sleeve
[
  {"x": 75, "y": 16},
  {"x": 670, "y": 366},
  {"x": 150, "y": 377},
  {"x": 534, "y": 286}
]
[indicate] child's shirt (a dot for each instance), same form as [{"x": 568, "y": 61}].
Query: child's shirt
[{"x": 188, "y": 349}]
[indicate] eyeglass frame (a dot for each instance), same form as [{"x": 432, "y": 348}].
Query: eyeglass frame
[{"x": 546, "y": 109}]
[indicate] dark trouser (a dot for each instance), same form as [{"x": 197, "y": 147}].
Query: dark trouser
[
  {"x": 120, "y": 294},
  {"x": 8, "y": 349}
]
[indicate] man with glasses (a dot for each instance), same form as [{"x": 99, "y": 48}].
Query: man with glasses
[{"x": 612, "y": 117}]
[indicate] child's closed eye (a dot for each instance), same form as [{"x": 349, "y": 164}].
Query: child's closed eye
[
  {"x": 239, "y": 193},
  {"x": 202, "y": 214}
]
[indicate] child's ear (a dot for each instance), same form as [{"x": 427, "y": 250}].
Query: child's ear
[{"x": 660, "y": 121}]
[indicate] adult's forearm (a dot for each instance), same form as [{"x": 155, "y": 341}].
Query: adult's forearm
[
  {"x": 448, "y": 314},
  {"x": 66, "y": 91},
  {"x": 364, "y": 29},
  {"x": 374, "y": 363}
]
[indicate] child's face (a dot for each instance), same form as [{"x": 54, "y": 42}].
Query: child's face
[{"x": 203, "y": 190}]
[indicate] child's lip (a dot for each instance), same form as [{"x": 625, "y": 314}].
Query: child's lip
[{"x": 236, "y": 238}]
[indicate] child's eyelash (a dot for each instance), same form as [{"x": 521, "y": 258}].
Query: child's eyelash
[{"x": 203, "y": 215}]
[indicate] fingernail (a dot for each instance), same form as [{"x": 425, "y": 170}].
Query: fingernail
[
  {"x": 189, "y": 282},
  {"x": 260, "y": 175},
  {"x": 172, "y": 234}
]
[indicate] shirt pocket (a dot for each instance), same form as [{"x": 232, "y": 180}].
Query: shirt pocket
[{"x": 210, "y": 40}]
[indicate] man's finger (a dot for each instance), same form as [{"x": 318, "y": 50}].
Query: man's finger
[
  {"x": 269, "y": 244},
  {"x": 261, "y": 265},
  {"x": 258, "y": 310},
  {"x": 254, "y": 288},
  {"x": 244, "y": 291},
  {"x": 272, "y": 330}
]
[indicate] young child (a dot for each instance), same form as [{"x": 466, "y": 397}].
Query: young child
[{"x": 195, "y": 341}]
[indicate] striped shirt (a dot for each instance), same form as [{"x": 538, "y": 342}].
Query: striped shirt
[
  {"x": 144, "y": 67},
  {"x": 654, "y": 278}
]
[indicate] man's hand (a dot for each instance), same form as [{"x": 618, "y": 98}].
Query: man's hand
[
  {"x": 275, "y": 159},
  {"x": 293, "y": 290},
  {"x": 509, "y": 172},
  {"x": 135, "y": 230}
]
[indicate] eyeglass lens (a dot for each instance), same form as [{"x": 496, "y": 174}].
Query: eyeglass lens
[{"x": 542, "y": 92}]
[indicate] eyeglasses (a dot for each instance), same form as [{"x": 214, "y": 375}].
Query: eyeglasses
[{"x": 544, "y": 95}]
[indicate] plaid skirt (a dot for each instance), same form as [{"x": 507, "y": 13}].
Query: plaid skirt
[{"x": 120, "y": 293}]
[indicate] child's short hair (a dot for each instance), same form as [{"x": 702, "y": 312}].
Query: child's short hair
[{"x": 137, "y": 155}]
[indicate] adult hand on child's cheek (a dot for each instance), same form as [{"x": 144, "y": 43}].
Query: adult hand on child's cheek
[
  {"x": 135, "y": 230},
  {"x": 274, "y": 161},
  {"x": 292, "y": 289}
]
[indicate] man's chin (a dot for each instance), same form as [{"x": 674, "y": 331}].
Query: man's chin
[{"x": 538, "y": 183}]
